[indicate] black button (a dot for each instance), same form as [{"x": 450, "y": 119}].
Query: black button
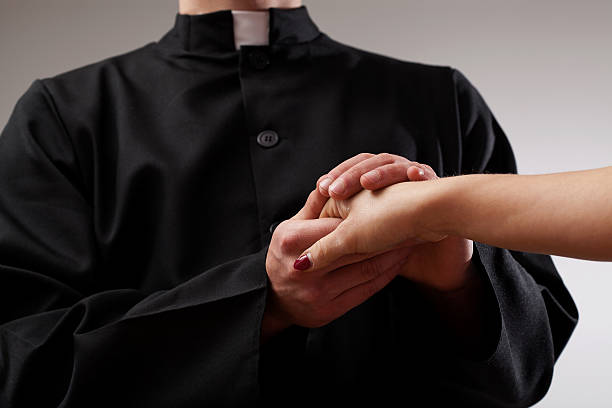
[
  {"x": 267, "y": 138},
  {"x": 273, "y": 227},
  {"x": 259, "y": 59}
]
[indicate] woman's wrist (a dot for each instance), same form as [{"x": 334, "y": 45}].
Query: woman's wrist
[
  {"x": 444, "y": 215},
  {"x": 431, "y": 213}
]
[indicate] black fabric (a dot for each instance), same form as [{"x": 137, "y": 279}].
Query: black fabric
[{"x": 135, "y": 215}]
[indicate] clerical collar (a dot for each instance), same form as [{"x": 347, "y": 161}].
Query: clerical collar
[
  {"x": 251, "y": 27},
  {"x": 214, "y": 32}
]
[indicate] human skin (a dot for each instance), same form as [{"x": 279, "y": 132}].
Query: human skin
[{"x": 567, "y": 214}]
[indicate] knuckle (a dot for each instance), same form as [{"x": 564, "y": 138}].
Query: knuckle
[
  {"x": 334, "y": 173},
  {"x": 386, "y": 157},
  {"x": 312, "y": 296},
  {"x": 348, "y": 175},
  {"x": 383, "y": 172},
  {"x": 280, "y": 228},
  {"x": 365, "y": 156},
  {"x": 403, "y": 160},
  {"x": 289, "y": 241},
  {"x": 351, "y": 175}
]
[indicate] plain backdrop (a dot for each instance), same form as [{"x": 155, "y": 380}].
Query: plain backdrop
[{"x": 543, "y": 66}]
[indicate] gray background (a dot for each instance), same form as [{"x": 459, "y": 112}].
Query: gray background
[{"x": 543, "y": 66}]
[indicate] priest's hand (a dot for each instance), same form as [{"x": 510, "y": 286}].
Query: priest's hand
[{"x": 315, "y": 298}]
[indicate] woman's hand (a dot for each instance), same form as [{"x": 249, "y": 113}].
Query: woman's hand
[
  {"x": 375, "y": 221},
  {"x": 402, "y": 214},
  {"x": 345, "y": 184}
]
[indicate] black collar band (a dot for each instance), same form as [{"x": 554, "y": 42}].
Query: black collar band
[{"x": 214, "y": 32}]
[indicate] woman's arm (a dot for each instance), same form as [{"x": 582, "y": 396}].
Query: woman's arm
[{"x": 567, "y": 214}]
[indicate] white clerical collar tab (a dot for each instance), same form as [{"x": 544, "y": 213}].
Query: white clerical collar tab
[{"x": 251, "y": 27}]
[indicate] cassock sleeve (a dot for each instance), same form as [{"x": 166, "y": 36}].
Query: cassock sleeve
[
  {"x": 534, "y": 313},
  {"x": 62, "y": 344}
]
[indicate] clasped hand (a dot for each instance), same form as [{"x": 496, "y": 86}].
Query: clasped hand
[{"x": 352, "y": 245}]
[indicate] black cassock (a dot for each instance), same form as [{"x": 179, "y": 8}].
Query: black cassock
[{"x": 137, "y": 204}]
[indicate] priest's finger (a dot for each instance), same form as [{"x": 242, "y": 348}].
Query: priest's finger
[
  {"x": 313, "y": 206},
  {"x": 348, "y": 183},
  {"x": 421, "y": 172},
  {"x": 362, "y": 292},
  {"x": 342, "y": 279},
  {"x": 395, "y": 173},
  {"x": 324, "y": 181}
]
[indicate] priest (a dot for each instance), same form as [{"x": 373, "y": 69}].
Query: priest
[{"x": 151, "y": 206}]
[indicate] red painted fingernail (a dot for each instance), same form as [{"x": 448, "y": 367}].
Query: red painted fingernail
[{"x": 302, "y": 263}]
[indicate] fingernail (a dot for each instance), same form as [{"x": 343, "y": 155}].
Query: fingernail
[
  {"x": 338, "y": 186},
  {"x": 421, "y": 172},
  {"x": 373, "y": 176},
  {"x": 303, "y": 262},
  {"x": 324, "y": 184}
]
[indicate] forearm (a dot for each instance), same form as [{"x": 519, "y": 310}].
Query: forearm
[{"x": 567, "y": 214}]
